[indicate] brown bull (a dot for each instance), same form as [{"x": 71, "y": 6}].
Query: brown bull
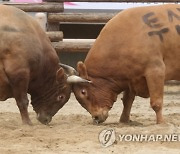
[
  {"x": 29, "y": 64},
  {"x": 135, "y": 53}
]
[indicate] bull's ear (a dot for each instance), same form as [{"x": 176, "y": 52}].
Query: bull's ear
[
  {"x": 60, "y": 75},
  {"x": 81, "y": 68}
]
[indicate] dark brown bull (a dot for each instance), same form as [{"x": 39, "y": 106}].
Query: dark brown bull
[
  {"x": 136, "y": 52},
  {"x": 29, "y": 64}
]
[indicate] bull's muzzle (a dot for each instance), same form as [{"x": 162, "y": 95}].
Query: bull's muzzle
[
  {"x": 44, "y": 119},
  {"x": 100, "y": 118}
]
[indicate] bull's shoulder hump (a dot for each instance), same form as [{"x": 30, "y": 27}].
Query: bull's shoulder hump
[
  {"x": 8, "y": 28},
  {"x": 14, "y": 13},
  {"x": 14, "y": 20},
  {"x": 9, "y": 8}
]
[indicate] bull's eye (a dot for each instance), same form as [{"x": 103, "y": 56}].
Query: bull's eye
[
  {"x": 83, "y": 91},
  {"x": 60, "y": 98}
]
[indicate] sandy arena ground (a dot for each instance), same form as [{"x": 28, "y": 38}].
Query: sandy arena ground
[{"x": 72, "y": 131}]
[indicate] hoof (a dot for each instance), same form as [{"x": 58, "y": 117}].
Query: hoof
[
  {"x": 27, "y": 123},
  {"x": 124, "y": 120}
]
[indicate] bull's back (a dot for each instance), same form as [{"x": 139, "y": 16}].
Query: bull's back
[{"x": 137, "y": 36}]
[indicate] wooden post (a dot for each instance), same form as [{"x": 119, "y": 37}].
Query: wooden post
[
  {"x": 42, "y": 20},
  {"x": 54, "y": 26}
]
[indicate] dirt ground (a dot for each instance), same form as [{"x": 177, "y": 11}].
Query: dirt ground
[{"x": 72, "y": 131}]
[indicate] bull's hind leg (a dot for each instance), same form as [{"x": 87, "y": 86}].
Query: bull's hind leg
[
  {"x": 128, "y": 98},
  {"x": 155, "y": 81}
]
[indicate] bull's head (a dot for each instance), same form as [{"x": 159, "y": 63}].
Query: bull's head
[
  {"x": 47, "y": 102},
  {"x": 93, "y": 94}
]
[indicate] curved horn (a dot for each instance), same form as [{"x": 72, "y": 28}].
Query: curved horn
[
  {"x": 77, "y": 79},
  {"x": 68, "y": 69}
]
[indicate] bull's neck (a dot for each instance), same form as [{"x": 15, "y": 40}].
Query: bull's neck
[
  {"x": 45, "y": 79},
  {"x": 46, "y": 88},
  {"x": 109, "y": 83},
  {"x": 43, "y": 85}
]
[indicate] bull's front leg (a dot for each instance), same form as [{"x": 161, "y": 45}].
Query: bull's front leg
[
  {"x": 22, "y": 103},
  {"x": 128, "y": 98},
  {"x": 19, "y": 82}
]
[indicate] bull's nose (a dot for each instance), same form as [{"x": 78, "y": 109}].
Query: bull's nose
[
  {"x": 98, "y": 119},
  {"x": 44, "y": 119},
  {"x": 95, "y": 120}
]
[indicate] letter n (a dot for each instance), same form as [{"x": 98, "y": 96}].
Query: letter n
[{"x": 172, "y": 15}]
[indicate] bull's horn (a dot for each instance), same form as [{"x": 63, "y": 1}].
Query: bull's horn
[
  {"x": 68, "y": 69},
  {"x": 77, "y": 79}
]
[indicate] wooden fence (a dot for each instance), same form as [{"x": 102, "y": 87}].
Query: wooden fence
[{"x": 56, "y": 15}]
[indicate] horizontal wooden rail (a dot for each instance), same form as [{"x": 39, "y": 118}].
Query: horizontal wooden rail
[
  {"x": 39, "y": 7},
  {"x": 172, "y": 87},
  {"x": 72, "y": 46},
  {"x": 55, "y": 36},
  {"x": 113, "y": 1},
  {"x": 172, "y": 83},
  {"x": 80, "y": 17}
]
